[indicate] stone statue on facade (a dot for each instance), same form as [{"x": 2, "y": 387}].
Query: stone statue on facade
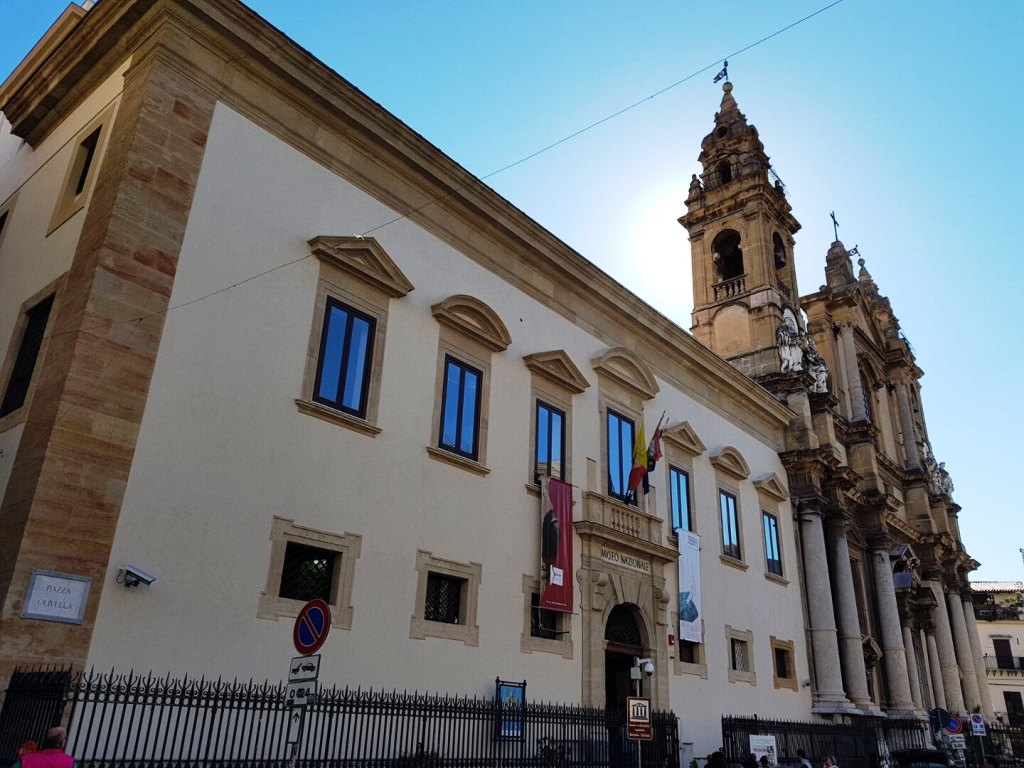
[
  {"x": 788, "y": 339},
  {"x": 815, "y": 365}
]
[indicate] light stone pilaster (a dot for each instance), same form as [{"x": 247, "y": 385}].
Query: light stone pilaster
[
  {"x": 893, "y": 653},
  {"x": 857, "y": 410},
  {"x": 828, "y": 692},
  {"x": 979, "y": 660},
  {"x": 947, "y": 657},
  {"x": 935, "y": 672},
  {"x": 907, "y": 425},
  {"x": 964, "y": 654},
  {"x": 912, "y": 668},
  {"x": 850, "y": 648}
]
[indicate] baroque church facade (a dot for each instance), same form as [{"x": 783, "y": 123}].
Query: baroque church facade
[{"x": 219, "y": 402}]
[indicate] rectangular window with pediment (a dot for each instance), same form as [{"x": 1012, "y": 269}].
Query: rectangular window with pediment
[
  {"x": 730, "y": 525},
  {"x": 550, "y": 443},
  {"x": 679, "y": 498},
  {"x": 621, "y": 437},
  {"x": 460, "y": 408},
  {"x": 346, "y": 352}
]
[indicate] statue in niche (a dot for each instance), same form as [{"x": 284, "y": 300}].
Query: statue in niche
[
  {"x": 788, "y": 339},
  {"x": 815, "y": 365}
]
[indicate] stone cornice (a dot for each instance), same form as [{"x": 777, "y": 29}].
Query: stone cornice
[{"x": 268, "y": 78}]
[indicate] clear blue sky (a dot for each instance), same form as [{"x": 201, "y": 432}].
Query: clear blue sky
[{"x": 903, "y": 117}]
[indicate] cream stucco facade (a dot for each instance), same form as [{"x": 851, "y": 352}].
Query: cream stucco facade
[{"x": 196, "y": 214}]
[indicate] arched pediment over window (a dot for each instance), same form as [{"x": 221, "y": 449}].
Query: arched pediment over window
[
  {"x": 626, "y": 368},
  {"x": 731, "y": 461},
  {"x": 475, "y": 319},
  {"x": 557, "y": 367},
  {"x": 364, "y": 259},
  {"x": 771, "y": 485},
  {"x": 683, "y": 437}
]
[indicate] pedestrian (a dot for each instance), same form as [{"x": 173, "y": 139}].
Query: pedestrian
[
  {"x": 52, "y": 755},
  {"x": 804, "y": 762}
]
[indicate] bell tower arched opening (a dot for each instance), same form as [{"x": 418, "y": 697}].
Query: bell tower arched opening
[{"x": 728, "y": 256}]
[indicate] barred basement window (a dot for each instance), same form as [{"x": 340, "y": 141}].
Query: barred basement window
[
  {"x": 543, "y": 623},
  {"x": 444, "y": 599},
  {"x": 308, "y": 573}
]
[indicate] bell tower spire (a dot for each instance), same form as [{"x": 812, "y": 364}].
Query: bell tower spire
[{"x": 741, "y": 244}]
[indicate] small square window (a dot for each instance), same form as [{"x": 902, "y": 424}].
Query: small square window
[
  {"x": 739, "y": 655},
  {"x": 307, "y": 574},
  {"x": 782, "y": 665},
  {"x": 621, "y": 440},
  {"x": 549, "y": 449},
  {"x": 543, "y": 623},
  {"x": 444, "y": 599},
  {"x": 679, "y": 497},
  {"x": 730, "y": 526},
  {"x": 31, "y": 342},
  {"x": 346, "y": 352},
  {"x": 460, "y": 408}
]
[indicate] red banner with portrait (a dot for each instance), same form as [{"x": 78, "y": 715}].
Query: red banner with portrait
[{"x": 556, "y": 545}]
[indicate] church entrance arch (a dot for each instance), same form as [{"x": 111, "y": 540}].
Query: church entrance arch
[{"x": 624, "y": 642}]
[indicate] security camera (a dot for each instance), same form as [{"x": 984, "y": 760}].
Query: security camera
[{"x": 132, "y": 576}]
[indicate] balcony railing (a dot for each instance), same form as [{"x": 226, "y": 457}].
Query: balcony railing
[
  {"x": 731, "y": 287},
  {"x": 1004, "y": 663}
]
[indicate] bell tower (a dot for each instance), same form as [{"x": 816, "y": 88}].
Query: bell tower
[{"x": 741, "y": 231}]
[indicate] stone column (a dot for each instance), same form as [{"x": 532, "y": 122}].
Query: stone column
[
  {"x": 857, "y": 410},
  {"x": 850, "y": 648},
  {"x": 893, "y": 653},
  {"x": 935, "y": 671},
  {"x": 828, "y": 692},
  {"x": 979, "y": 660},
  {"x": 912, "y": 669},
  {"x": 947, "y": 657},
  {"x": 907, "y": 426},
  {"x": 964, "y": 654}
]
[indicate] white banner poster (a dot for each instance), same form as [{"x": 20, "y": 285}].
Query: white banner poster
[
  {"x": 689, "y": 587},
  {"x": 764, "y": 746}
]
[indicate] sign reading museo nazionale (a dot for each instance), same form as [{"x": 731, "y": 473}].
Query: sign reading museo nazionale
[{"x": 56, "y": 596}]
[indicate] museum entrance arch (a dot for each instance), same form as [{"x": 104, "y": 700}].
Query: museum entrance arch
[{"x": 624, "y": 642}]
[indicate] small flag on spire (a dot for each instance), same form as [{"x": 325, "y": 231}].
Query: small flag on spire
[{"x": 724, "y": 73}]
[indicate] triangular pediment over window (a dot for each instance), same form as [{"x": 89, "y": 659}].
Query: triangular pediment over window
[
  {"x": 682, "y": 436},
  {"x": 731, "y": 461},
  {"x": 771, "y": 485},
  {"x": 474, "y": 319},
  {"x": 627, "y": 369},
  {"x": 364, "y": 259},
  {"x": 557, "y": 367}
]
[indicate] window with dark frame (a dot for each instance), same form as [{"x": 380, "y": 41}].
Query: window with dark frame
[
  {"x": 307, "y": 573},
  {"x": 621, "y": 437},
  {"x": 730, "y": 525},
  {"x": 679, "y": 495},
  {"x": 782, "y": 665},
  {"x": 346, "y": 349},
  {"x": 25, "y": 360},
  {"x": 543, "y": 623},
  {"x": 460, "y": 408},
  {"x": 444, "y": 598},
  {"x": 549, "y": 449},
  {"x": 773, "y": 560},
  {"x": 86, "y": 150}
]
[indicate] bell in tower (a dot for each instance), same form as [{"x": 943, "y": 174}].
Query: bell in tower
[{"x": 741, "y": 231}]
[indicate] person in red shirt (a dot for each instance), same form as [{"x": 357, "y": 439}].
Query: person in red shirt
[{"x": 52, "y": 755}]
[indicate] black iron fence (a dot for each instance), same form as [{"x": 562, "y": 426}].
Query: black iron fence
[
  {"x": 132, "y": 720},
  {"x": 856, "y": 745}
]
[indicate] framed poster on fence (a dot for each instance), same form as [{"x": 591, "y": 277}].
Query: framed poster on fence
[{"x": 511, "y": 700}]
